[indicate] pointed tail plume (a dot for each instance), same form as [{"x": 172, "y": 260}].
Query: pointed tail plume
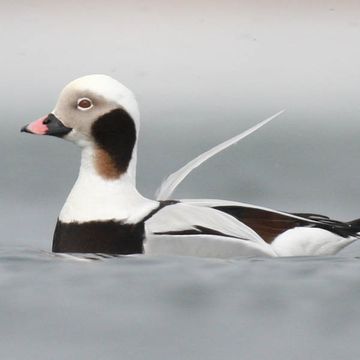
[{"x": 172, "y": 181}]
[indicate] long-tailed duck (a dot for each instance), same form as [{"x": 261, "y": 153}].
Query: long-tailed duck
[{"x": 104, "y": 212}]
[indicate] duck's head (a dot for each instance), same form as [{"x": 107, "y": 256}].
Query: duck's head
[{"x": 96, "y": 112}]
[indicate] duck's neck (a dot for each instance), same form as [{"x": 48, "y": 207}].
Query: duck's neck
[{"x": 101, "y": 194}]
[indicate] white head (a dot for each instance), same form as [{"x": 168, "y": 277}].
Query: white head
[{"x": 96, "y": 112}]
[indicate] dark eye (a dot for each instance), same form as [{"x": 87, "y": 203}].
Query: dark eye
[{"x": 84, "y": 104}]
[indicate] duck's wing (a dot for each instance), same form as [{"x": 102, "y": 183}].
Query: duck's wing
[
  {"x": 172, "y": 181},
  {"x": 269, "y": 223},
  {"x": 186, "y": 229}
]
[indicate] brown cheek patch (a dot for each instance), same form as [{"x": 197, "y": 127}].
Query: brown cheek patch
[
  {"x": 115, "y": 134},
  {"x": 105, "y": 165}
]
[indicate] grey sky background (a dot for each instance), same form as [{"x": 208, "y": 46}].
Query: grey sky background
[{"x": 202, "y": 72}]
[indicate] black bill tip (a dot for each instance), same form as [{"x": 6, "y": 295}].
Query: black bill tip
[{"x": 25, "y": 129}]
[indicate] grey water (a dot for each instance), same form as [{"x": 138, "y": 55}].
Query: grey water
[
  {"x": 137, "y": 307},
  {"x": 202, "y": 71}
]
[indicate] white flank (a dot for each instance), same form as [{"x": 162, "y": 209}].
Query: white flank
[
  {"x": 172, "y": 181},
  {"x": 180, "y": 217},
  {"x": 234, "y": 238},
  {"x": 309, "y": 242}
]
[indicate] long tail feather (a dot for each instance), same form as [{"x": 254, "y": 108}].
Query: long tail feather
[{"x": 172, "y": 181}]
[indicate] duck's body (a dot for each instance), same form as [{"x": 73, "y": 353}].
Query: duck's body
[
  {"x": 206, "y": 228},
  {"x": 104, "y": 212}
]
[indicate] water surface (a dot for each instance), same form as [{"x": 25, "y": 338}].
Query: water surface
[{"x": 55, "y": 307}]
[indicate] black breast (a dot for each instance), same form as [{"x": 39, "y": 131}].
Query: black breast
[{"x": 108, "y": 237}]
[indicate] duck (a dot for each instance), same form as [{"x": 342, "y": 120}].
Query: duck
[{"x": 105, "y": 213}]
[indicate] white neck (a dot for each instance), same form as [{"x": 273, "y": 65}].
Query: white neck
[{"x": 95, "y": 198}]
